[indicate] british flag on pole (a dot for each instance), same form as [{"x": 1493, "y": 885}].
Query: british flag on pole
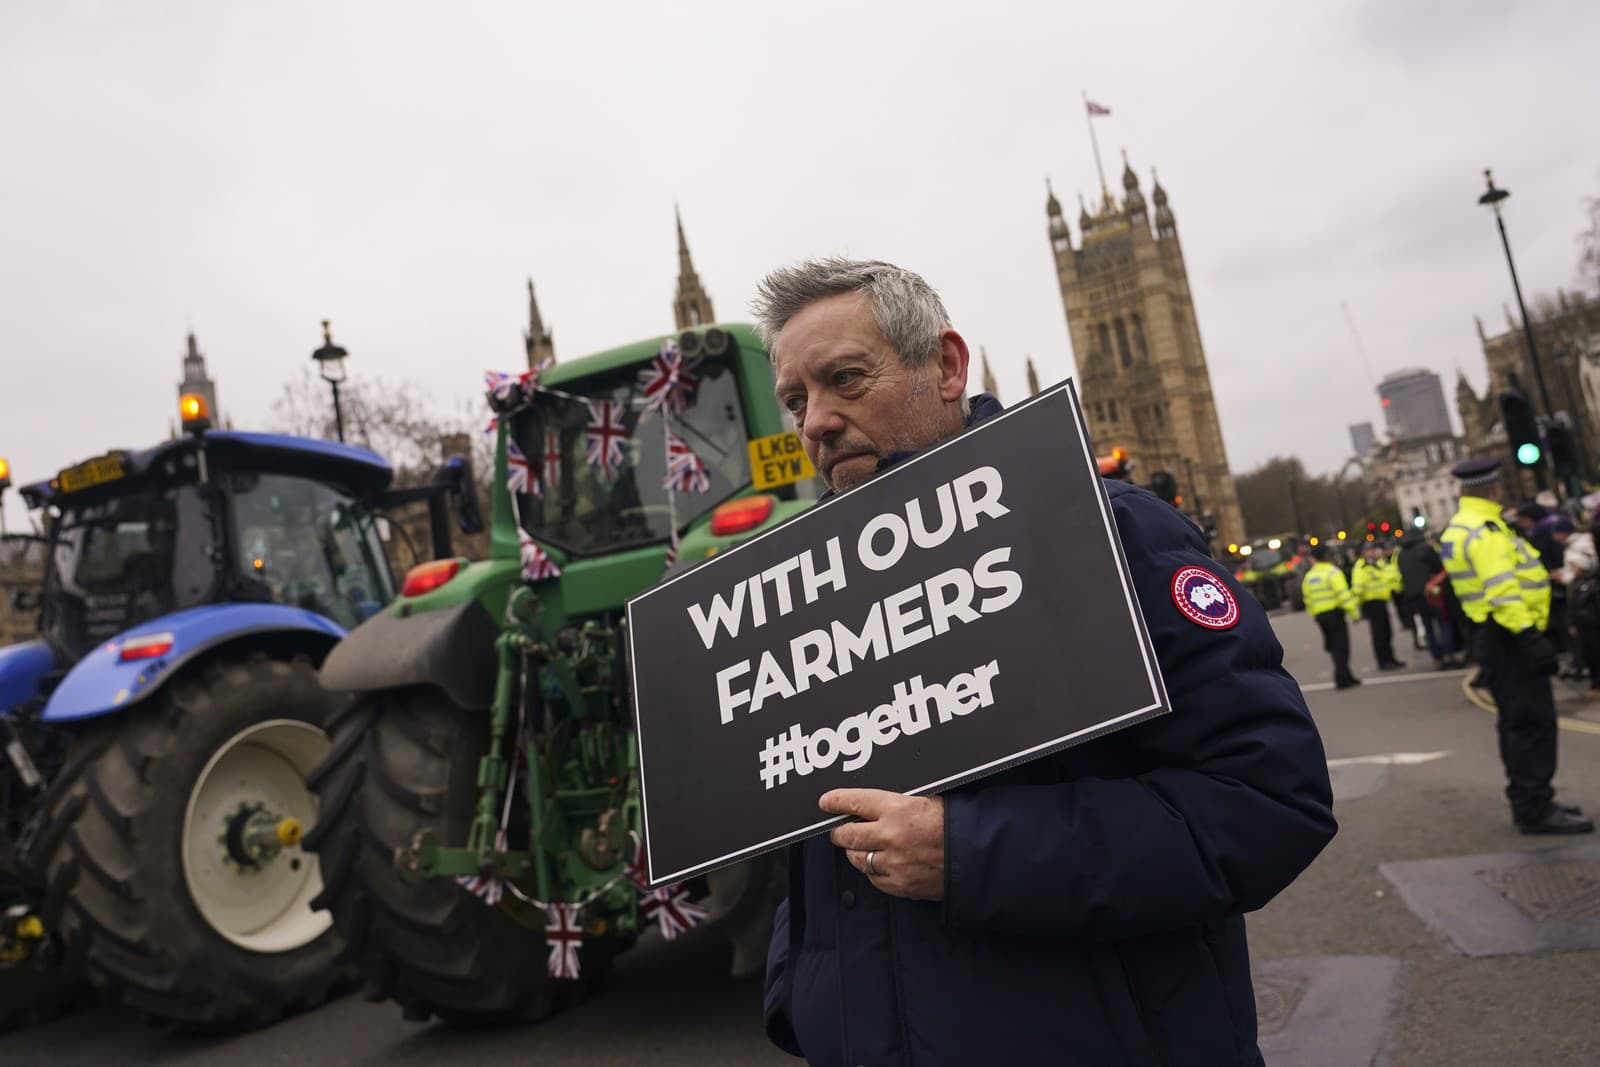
[
  {"x": 536, "y": 562},
  {"x": 519, "y": 472},
  {"x": 685, "y": 472},
  {"x": 501, "y": 386},
  {"x": 666, "y": 382},
  {"x": 605, "y": 434},
  {"x": 563, "y": 932}
]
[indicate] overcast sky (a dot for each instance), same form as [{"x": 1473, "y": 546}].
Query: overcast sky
[{"x": 401, "y": 168}]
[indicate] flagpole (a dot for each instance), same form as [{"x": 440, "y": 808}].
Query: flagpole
[{"x": 1088, "y": 116}]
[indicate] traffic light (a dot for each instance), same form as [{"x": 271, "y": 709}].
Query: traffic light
[
  {"x": 1522, "y": 428},
  {"x": 1418, "y": 519}
]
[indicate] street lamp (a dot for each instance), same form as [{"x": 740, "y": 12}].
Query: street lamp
[
  {"x": 1492, "y": 198},
  {"x": 330, "y": 364}
]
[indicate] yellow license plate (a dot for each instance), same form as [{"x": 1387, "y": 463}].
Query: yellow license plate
[
  {"x": 93, "y": 473},
  {"x": 779, "y": 460}
]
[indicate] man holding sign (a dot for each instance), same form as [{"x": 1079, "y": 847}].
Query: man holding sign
[{"x": 1084, "y": 907}]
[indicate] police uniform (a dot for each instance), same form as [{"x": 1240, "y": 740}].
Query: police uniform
[
  {"x": 1505, "y": 591},
  {"x": 1373, "y": 587},
  {"x": 1330, "y": 602}
]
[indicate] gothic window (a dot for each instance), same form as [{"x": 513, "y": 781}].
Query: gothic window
[
  {"x": 1122, "y": 343},
  {"x": 1161, "y": 414},
  {"x": 1140, "y": 349},
  {"x": 1105, "y": 341},
  {"x": 1062, "y": 244},
  {"x": 1099, "y": 411},
  {"x": 1111, "y": 409}
]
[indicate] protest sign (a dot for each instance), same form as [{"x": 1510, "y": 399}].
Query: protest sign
[{"x": 962, "y": 612}]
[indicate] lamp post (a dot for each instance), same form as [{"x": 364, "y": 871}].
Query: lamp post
[
  {"x": 1492, "y": 198},
  {"x": 330, "y": 364}
]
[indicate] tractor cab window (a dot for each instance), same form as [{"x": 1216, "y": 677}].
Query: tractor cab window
[
  {"x": 303, "y": 543},
  {"x": 587, "y": 509},
  {"x": 121, "y": 561}
]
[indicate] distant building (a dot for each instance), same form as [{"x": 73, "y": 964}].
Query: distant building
[
  {"x": 1567, "y": 331},
  {"x": 196, "y": 381},
  {"x": 1432, "y": 493},
  {"x": 539, "y": 341},
  {"x": 692, "y": 306},
  {"x": 1362, "y": 438},
  {"x": 1141, "y": 367},
  {"x": 1413, "y": 405}
]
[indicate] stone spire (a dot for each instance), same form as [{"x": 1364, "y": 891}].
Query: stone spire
[
  {"x": 195, "y": 380},
  {"x": 989, "y": 385},
  {"x": 692, "y": 306},
  {"x": 1033, "y": 378},
  {"x": 539, "y": 340},
  {"x": 1132, "y": 198}
]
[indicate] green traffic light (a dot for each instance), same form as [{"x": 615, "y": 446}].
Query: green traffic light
[
  {"x": 1528, "y": 453},
  {"x": 1419, "y": 521}
]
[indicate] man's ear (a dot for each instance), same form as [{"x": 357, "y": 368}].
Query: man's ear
[{"x": 951, "y": 365}]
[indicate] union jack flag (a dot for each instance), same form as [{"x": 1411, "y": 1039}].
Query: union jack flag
[
  {"x": 672, "y": 548},
  {"x": 634, "y": 871},
  {"x": 672, "y": 910},
  {"x": 666, "y": 382},
  {"x": 552, "y": 457},
  {"x": 605, "y": 435},
  {"x": 519, "y": 472},
  {"x": 501, "y": 386},
  {"x": 563, "y": 932},
  {"x": 685, "y": 472},
  {"x": 536, "y": 562},
  {"x": 485, "y": 887}
]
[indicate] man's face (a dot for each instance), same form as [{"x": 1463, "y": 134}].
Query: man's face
[{"x": 853, "y": 399}]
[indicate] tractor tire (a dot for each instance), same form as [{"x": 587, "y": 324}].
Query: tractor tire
[
  {"x": 170, "y": 917},
  {"x": 404, "y": 761}
]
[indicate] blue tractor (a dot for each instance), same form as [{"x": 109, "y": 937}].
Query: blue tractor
[{"x": 159, "y": 730}]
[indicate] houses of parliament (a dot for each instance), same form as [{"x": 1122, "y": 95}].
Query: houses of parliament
[{"x": 1142, "y": 373}]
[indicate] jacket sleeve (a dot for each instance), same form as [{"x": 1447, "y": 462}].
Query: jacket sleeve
[
  {"x": 1232, "y": 803},
  {"x": 780, "y": 1029},
  {"x": 1347, "y": 596}
]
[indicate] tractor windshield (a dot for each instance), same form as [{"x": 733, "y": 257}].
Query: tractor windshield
[
  {"x": 306, "y": 544},
  {"x": 586, "y": 510},
  {"x": 124, "y": 560}
]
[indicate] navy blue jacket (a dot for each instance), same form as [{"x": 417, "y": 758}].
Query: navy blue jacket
[{"x": 1094, "y": 899}]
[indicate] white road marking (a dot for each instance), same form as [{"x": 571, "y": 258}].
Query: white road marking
[
  {"x": 1389, "y": 679},
  {"x": 1390, "y": 759}
]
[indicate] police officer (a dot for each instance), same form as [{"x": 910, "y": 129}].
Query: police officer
[
  {"x": 1330, "y": 602},
  {"x": 1373, "y": 587},
  {"x": 1505, "y": 590}
]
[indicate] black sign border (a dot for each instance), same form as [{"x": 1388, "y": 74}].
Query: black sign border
[{"x": 1158, "y": 686}]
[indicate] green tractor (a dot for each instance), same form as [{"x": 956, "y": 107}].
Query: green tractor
[
  {"x": 479, "y": 812},
  {"x": 1273, "y": 569}
]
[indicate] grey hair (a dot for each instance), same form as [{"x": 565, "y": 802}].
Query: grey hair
[{"x": 908, "y": 313}]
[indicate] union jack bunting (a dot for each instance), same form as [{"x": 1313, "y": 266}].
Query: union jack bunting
[
  {"x": 536, "y": 563},
  {"x": 552, "y": 457},
  {"x": 685, "y": 472},
  {"x": 501, "y": 386},
  {"x": 672, "y": 910},
  {"x": 563, "y": 932},
  {"x": 486, "y": 888},
  {"x": 605, "y": 435},
  {"x": 634, "y": 871},
  {"x": 519, "y": 472},
  {"x": 666, "y": 382}
]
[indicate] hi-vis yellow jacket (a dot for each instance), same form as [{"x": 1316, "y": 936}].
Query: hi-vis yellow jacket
[
  {"x": 1371, "y": 581},
  {"x": 1391, "y": 568},
  {"x": 1324, "y": 589},
  {"x": 1496, "y": 575}
]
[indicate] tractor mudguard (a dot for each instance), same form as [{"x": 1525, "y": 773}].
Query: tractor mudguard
[
  {"x": 21, "y": 668},
  {"x": 105, "y": 681},
  {"x": 452, "y": 648}
]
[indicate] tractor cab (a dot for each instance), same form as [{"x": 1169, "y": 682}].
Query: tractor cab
[{"x": 221, "y": 518}]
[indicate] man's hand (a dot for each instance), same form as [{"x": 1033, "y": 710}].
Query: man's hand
[{"x": 906, "y": 835}]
